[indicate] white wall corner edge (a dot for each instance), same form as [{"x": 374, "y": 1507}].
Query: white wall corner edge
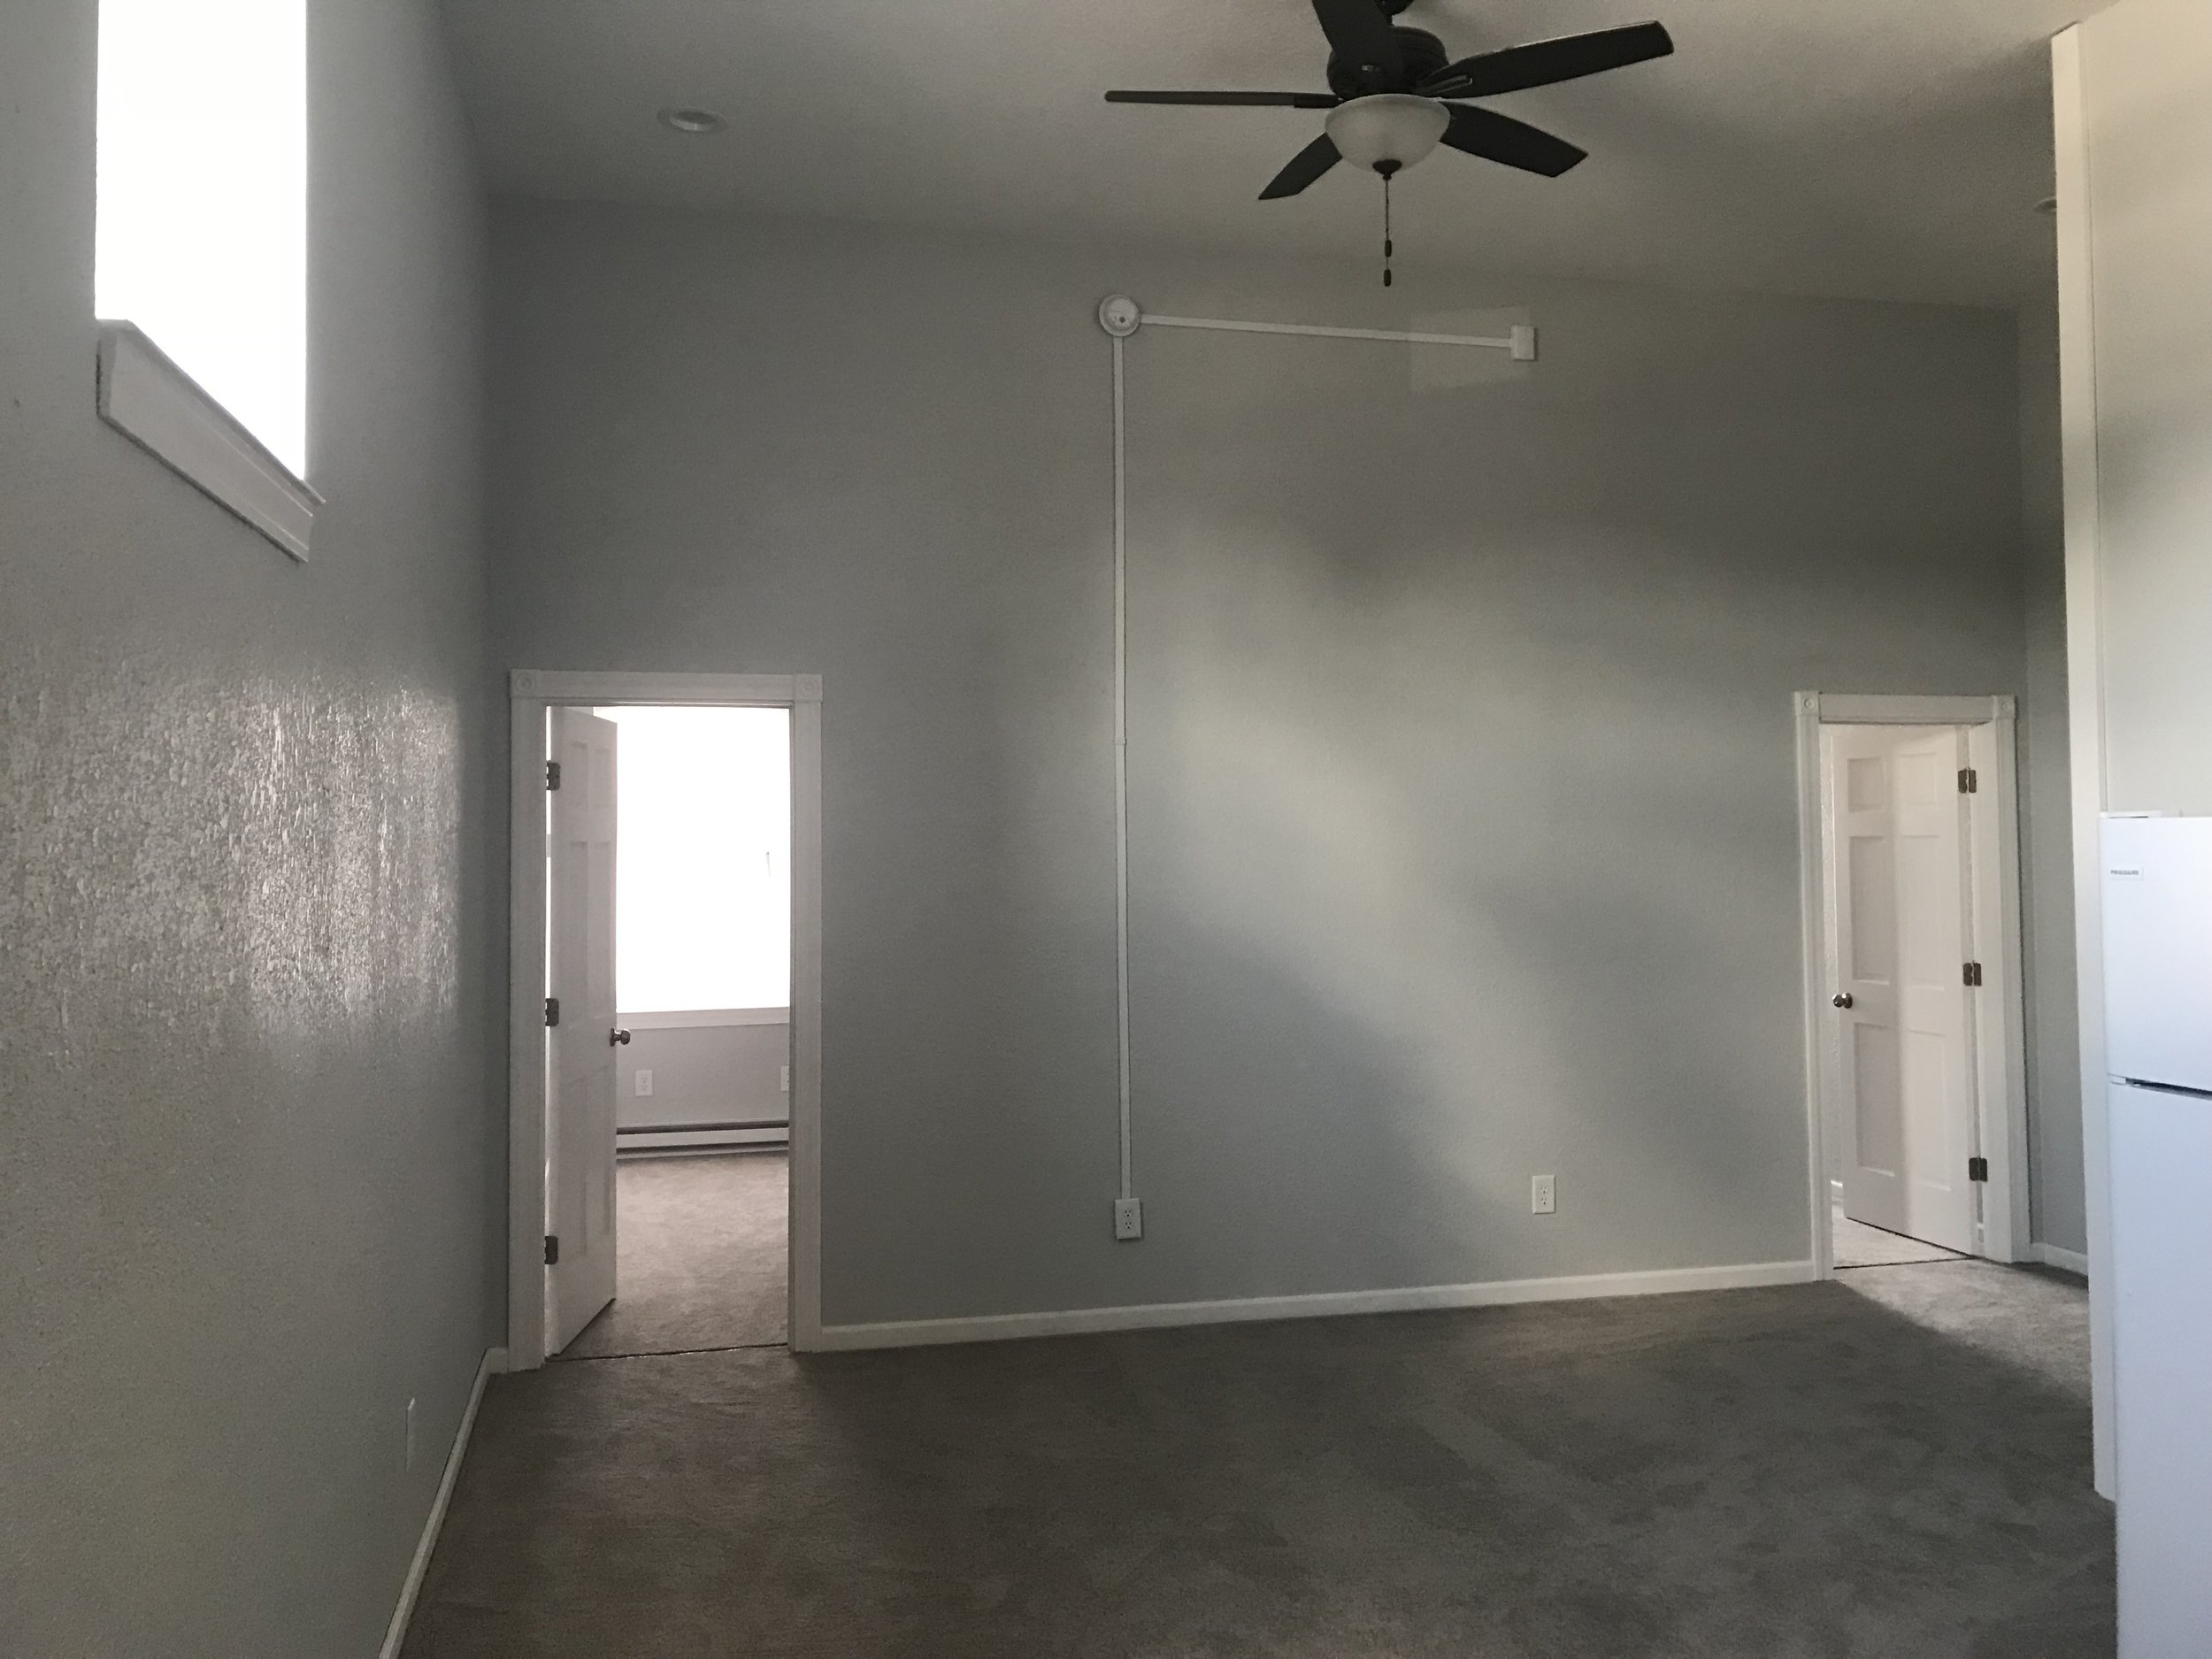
[
  {"x": 144, "y": 395},
  {"x": 493, "y": 1362},
  {"x": 2085, "y": 691},
  {"x": 1326, "y": 1304}
]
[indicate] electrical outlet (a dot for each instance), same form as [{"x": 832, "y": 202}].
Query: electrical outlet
[
  {"x": 1543, "y": 1200},
  {"x": 644, "y": 1082},
  {"x": 786, "y": 1079},
  {"x": 1128, "y": 1218},
  {"x": 411, "y": 1431}
]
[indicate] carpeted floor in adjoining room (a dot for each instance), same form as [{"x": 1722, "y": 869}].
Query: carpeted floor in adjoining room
[
  {"x": 1857, "y": 1244},
  {"x": 1894, "y": 1465},
  {"x": 700, "y": 1247}
]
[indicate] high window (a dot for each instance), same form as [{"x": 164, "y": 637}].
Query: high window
[
  {"x": 703, "y": 859},
  {"x": 202, "y": 240}
]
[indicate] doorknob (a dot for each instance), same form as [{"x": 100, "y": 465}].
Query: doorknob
[
  {"x": 1842, "y": 999},
  {"x": 616, "y": 1035}
]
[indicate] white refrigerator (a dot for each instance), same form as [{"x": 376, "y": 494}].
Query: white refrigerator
[{"x": 2158, "y": 1049}]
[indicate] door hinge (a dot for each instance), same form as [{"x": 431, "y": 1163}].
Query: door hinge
[
  {"x": 1978, "y": 1169},
  {"x": 552, "y": 774},
  {"x": 1969, "y": 781},
  {"x": 552, "y": 1249},
  {"x": 1973, "y": 973},
  {"x": 552, "y": 1010}
]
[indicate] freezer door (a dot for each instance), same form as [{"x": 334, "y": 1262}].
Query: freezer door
[
  {"x": 2161, "y": 1350},
  {"x": 2158, "y": 949}
]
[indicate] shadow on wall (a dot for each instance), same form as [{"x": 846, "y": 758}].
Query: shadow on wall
[
  {"x": 1404, "y": 937},
  {"x": 1441, "y": 766},
  {"x": 1463, "y": 806}
]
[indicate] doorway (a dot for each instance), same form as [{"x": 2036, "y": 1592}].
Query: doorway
[
  {"x": 701, "y": 1038},
  {"x": 1915, "y": 1109},
  {"x": 665, "y": 1057}
]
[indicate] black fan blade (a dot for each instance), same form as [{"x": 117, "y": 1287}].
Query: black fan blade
[
  {"x": 1519, "y": 67},
  {"x": 1241, "y": 100},
  {"x": 1361, "y": 34},
  {"x": 1496, "y": 137},
  {"x": 1307, "y": 165}
]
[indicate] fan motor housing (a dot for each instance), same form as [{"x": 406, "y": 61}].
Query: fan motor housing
[{"x": 1423, "y": 56}]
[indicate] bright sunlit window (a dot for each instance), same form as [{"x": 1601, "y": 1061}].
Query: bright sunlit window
[
  {"x": 703, "y": 859},
  {"x": 201, "y": 237}
]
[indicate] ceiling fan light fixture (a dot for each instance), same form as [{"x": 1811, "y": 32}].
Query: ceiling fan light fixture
[
  {"x": 696, "y": 122},
  {"x": 1388, "y": 131}
]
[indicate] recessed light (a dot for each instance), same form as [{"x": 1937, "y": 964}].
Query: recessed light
[{"x": 698, "y": 123}]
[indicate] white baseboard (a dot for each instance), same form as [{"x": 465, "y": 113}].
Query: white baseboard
[
  {"x": 494, "y": 1360},
  {"x": 1005, "y": 1326},
  {"x": 2070, "y": 1261}
]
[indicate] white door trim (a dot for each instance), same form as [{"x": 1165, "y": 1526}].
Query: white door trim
[
  {"x": 2000, "y": 1050},
  {"x": 530, "y": 691}
]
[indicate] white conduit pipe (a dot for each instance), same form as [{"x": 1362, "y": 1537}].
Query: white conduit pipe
[
  {"x": 1121, "y": 752},
  {"x": 1121, "y": 316},
  {"x": 1521, "y": 342}
]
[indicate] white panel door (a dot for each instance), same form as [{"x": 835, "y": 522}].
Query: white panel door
[
  {"x": 580, "y": 1057},
  {"x": 1904, "y": 1056}
]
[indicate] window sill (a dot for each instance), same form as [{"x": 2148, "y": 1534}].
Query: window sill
[
  {"x": 684, "y": 1018},
  {"x": 160, "y": 407}
]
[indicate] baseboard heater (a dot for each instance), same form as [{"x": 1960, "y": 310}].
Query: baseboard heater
[{"x": 753, "y": 1132}]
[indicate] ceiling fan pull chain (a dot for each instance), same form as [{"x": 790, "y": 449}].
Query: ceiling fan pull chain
[{"x": 1389, "y": 247}]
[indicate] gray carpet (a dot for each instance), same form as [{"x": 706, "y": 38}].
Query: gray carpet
[
  {"x": 1855, "y": 1244},
  {"x": 699, "y": 1259},
  {"x": 1892, "y": 1465}
]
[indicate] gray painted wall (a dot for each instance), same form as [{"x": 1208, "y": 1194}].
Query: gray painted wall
[
  {"x": 2047, "y": 807},
  {"x": 251, "y": 1196},
  {"x": 1464, "y": 838},
  {"x": 704, "y": 1074}
]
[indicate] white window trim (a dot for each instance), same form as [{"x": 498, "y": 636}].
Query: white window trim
[
  {"x": 688, "y": 1019},
  {"x": 144, "y": 395}
]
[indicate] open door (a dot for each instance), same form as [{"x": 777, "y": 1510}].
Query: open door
[
  {"x": 580, "y": 1036},
  {"x": 1897, "y": 903}
]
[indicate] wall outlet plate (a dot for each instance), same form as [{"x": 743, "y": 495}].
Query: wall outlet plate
[
  {"x": 1128, "y": 1218},
  {"x": 644, "y": 1082},
  {"x": 1543, "y": 1198}
]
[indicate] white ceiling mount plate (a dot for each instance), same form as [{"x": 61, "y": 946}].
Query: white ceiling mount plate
[{"x": 1119, "y": 316}]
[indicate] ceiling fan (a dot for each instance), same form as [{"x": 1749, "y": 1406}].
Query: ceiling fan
[{"x": 1393, "y": 90}]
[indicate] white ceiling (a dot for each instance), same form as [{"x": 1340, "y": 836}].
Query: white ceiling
[{"x": 1884, "y": 148}]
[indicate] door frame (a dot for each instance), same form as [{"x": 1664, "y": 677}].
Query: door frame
[
  {"x": 1993, "y": 878},
  {"x": 531, "y": 693}
]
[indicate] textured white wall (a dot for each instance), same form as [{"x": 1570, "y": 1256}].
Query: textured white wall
[
  {"x": 1464, "y": 841},
  {"x": 252, "y": 1184},
  {"x": 2148, "y": 82}
]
